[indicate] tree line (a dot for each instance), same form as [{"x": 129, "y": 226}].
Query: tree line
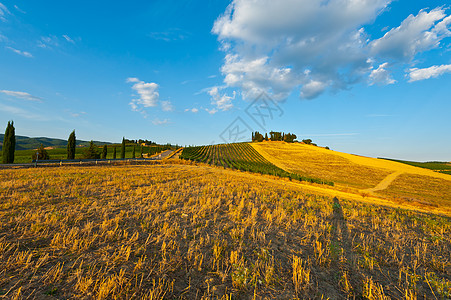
[
  {"x": 274, "y": 136},
  {"x": 91, "y": 152},
  {"x": 279, "y": 136}
]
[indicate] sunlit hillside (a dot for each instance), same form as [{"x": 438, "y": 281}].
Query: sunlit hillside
[{"x": 360, "y": 174}]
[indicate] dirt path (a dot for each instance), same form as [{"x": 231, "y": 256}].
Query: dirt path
[{"x": 385, "y": 182}]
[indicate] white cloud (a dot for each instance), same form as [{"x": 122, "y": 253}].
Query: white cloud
[
  {"x": 381, "y": 75},
  {"x": 167, "y": 106},
  {"x": 20, "y": 52},
  {"x": 148, "y": 94},
  {"x": 315, "y": 45},
  {"x": 173, "y": 34},
  {"x": 132, "y": 79},
  {"x": 3, "y": 12},
  {"x": 67, "y": 38},
  {"x": 211, "y": 111},
  {"x": 221, "y": 101},
  {"x": 193, "y": 110},
  {"x": 160, "y": 122},
  {"x": 415, "y": 34},
  {"x": 416, "y": 74},
  {"x": 21, "y": 95},
  {"x": 312, "y": 89},
  {"x": 19, "y": 10},
  {"x": 48, "y": 42}
]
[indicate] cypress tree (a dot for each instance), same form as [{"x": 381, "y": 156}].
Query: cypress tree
[
  {"x": 114, "y": 153},
  {"x": 134, "y": 153},
  {"x": 105, "y": 151},
  {"x": 9, "y": 144},
  {"x": 123, "y": 148},
  {"x": 71, "y": 143}
]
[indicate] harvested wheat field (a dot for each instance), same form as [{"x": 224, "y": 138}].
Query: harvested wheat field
[
  {"x": 398, "y": 182},
  {"x": 189, "y": 231}
]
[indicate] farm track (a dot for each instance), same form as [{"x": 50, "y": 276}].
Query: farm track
[{"x": 384, "y": 183}]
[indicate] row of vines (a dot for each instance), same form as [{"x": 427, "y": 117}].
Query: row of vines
[{"x": 241, "y": 156}]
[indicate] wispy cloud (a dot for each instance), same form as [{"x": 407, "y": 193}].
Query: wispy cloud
[
  {"x": 416, "y": 74},
  {"x": 48, "y": 42},
  {"x": 170, "y": 35},
  {"x": 19, "y": 10},
  {"x": 167, "y": 106},
  {"x": 3, "y": 12},
  {"x": 21, "y": 95},
  {"x": 160, "y": 122},
  {"x": 20, "y": 52},
  {"x": 193, "y": 110},
  {"x": 22, "y": 113},
  {"x": 330, "y": 134},
  {"x": 211, "y": 111},
  {"x": 67, "y": 38}
]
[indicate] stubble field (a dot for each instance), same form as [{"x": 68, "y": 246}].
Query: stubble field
[{"x": 181, "y": 230}]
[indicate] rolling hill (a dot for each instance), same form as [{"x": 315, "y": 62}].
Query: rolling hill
[
  {"x": 28, "y": 143},
  {"x": 398, "y": 182}
]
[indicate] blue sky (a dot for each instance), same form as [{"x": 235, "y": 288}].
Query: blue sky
[{"x": 364, "y": 77}]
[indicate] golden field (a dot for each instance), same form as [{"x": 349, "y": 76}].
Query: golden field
[
  {"x": 408, "y": 185},
  {"x": 177, "y": 230}
]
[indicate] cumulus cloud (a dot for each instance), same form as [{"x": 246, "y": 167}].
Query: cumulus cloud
[
  {"x": 21, "y": 95},
  {"x": 221, "y": 101},
  {"x": 416, "y": 74},
  {"x": 415, "y": 34},
  {"x": 312, "y": 89},
  {"x": 147, "y": 92},
  {"x": 381, "y": 75},
  {"x": 314, "y": 46},
  {"x": 20, "y": 52}
]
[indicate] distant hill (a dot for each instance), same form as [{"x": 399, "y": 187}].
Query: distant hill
[{"x": 28, "y": 143}]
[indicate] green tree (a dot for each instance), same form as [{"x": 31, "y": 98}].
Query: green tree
[
  {"x": 114, "y": 153},
  {"x": 41, "y": 154},
  {"x": 134, "y": 152},
  {"x": 307, "y": 141},
  {"x": 104, "y": 151},
  {"x": 92, "y": 152},
  {"x": 289, "y": 137},
  {"x": 9, "y": 143},
  {"x": 141, "y": 156},
  {"x": 71, "y": 143},
  {"x": 123, "y": 148}
]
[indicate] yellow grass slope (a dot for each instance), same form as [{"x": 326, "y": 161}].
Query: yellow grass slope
[{"x": 358, "y": 174}]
